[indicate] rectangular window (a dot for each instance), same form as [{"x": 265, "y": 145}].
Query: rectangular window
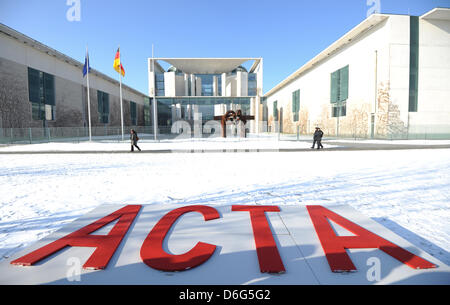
[
  {"x": 339, "y": 85},
  {"x": 296, "y": 105},
  {"x": 338, "y": 110},
  {"x": 49, "y": 89},
  {"x": 159, "y": 78},
  {"x": 207, "y": 81},
  {"x": 37, "y": 111},
  {"x": 219, "y": 85},
  {"x": 147, "y": 113},
  {"x": 41, "y": 93},
  {"x": 35, "y": 89},
  {"x": 343, "y": 84},
  {"x": 275, "y": 111},
  {"x": 265, "y": 110},
  {"x": 103, "y": 107},
  {"x": 334, "y": 87},
  {"x": 413, "y": 64},
  {"x": 133, "y": 113},
  {"x": 252, "y": 84}
]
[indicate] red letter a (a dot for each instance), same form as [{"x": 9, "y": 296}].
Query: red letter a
[
  {"x": 106, "y": 244},
  {"x": 334, "y": 246}
]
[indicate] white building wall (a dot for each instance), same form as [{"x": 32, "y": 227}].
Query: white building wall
[
  {"x": 433, "y": 114},
  {"x": 231, "y": 85},
  {"x": 241, "y": 83},
  {"x": 169, "y": 84},
  {"x": 224, "y": 84},
  {"x": 379, "y": 64},
  {"x": 315, "y": 86},
  {"x": 399, "y": 40}
]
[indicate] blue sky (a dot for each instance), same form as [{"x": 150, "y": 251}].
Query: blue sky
[{"x": 286, "y": 34}]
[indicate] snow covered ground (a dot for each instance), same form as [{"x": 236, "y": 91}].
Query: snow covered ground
[
  {"x": 179, "y": 144},
  {"x": 408, "y": 191}
]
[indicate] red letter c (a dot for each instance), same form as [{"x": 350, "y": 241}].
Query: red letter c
[{"x": 153, "y": 254}]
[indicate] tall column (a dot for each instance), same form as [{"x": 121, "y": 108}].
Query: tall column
[
  {"x": 192, "y": 76},
  {"x": 215, "y": 86},
  {"x": 224, "y": 84},
  {"x": 198, "y": 86},
  {"x": 152, "y": 93},
  {"x": 186, "y": 84},
  {"x": 257, "y": 103},
  {"x": 238, "y": 83}
]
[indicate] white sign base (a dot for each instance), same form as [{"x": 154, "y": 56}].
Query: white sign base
[{"x": 235, "y": 259}]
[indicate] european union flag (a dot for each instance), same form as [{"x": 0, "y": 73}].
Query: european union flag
[{"x": 87, "y": 66}]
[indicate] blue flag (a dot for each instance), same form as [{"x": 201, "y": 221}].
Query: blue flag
[{"x": 87, "y": 66}]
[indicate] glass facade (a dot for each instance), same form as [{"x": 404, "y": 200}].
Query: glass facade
[
  {"x": 207, "y": 81},
  {"x": 295, "y": 105},
  {"x": 338, "y": 110},
  {"x": 159, "y": 79},
  {"x": 275, "y": 111},
  {"x": 133, "y": 113},
  {"x": 200, "y": 92},
  {"x": 339, "y": 85},
  {"x": 413, "y": 63},
  {"x": 147, "y": 112},
  {"x": 103, "y": 107},
  {"x": 171, "y": 110},
  {"x": 252, "y": 84},
  {"x": 41, "y": 93},
  {"x": 339, "y": 92}
]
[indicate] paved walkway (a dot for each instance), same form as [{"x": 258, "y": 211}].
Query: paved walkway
[{"x": 336, "y": 146}]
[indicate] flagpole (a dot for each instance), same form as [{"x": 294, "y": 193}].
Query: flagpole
[
  {"x": 155, "y": 110},
  {"x": 121, "y": 104},
  {"x": 88, "y": 95}
]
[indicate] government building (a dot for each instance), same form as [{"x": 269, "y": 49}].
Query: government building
[
  {"x": 208, "y": 87},
  {"x": 43, "y": 91},
  {"x": 386, "y": 78}
]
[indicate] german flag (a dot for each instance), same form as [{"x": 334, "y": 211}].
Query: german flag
[{"x": 117, "y": 65}]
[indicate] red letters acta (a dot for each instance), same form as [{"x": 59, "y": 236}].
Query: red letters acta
[{"x": 153, "y": 254}]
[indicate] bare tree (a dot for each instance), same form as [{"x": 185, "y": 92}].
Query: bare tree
[
  {"x": 356, "y": 122},
  {"x": 303, "y": 120},
  {"x": 389, "y": 123},
  {"x": 326, "y": 122},
  {"x": 15, "y": 110}
]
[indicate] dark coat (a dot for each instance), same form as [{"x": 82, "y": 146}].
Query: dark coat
[
  {"x": 318, "y": 134},
  {"x": 134, "y": 138}
]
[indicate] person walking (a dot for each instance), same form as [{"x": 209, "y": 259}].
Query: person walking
[
  {"x": 318, "y": 134},
  {"x": 134, "y": 138}
]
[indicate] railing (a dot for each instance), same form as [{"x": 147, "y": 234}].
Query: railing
[
  {"x": 272, "y": 131},
  {"x": 69, "y": 134}
]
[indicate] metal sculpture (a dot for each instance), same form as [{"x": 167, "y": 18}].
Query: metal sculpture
[{"x": 232, "y": 116}]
